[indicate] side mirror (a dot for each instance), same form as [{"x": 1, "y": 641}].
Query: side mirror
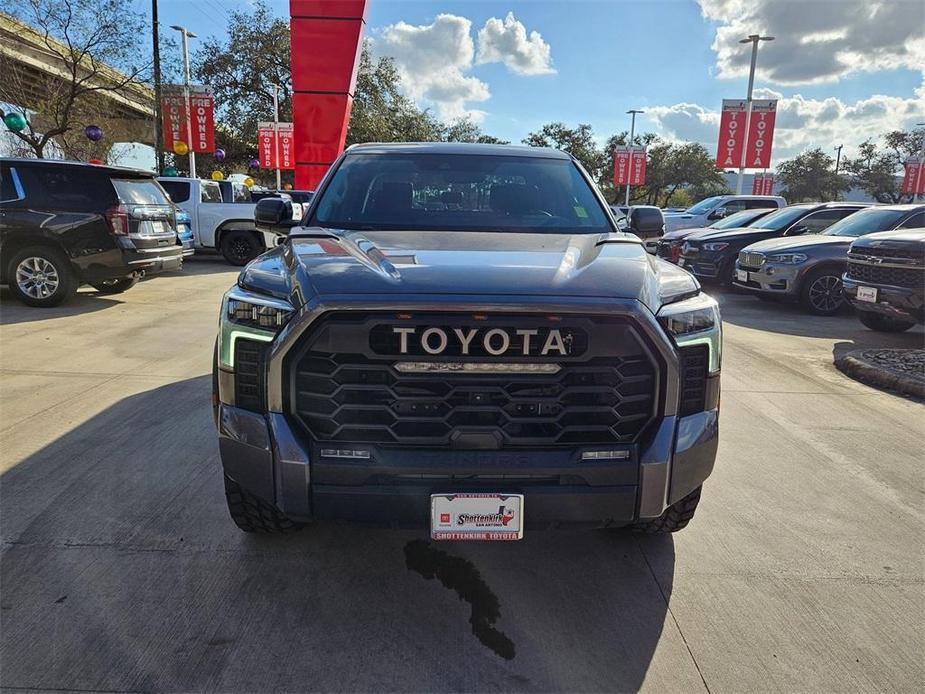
[
  {"x": 797, "y": 230},
  {"x": 647, "y": 222},
  {"x": 718, "y": 213},
  {"x": 275, "y": 215}
]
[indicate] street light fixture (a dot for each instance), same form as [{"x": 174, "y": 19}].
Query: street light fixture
[
  {"x": 753, "y": 39},
  {"x": 632, "y": 113},
  {"x": 187, "y": 34}
]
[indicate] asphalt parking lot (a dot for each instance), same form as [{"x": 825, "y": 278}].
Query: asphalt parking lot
[{"x": 802, "y": 571}]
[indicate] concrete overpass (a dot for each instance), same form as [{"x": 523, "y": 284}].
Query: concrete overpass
[{"x": 32, "y": 67}]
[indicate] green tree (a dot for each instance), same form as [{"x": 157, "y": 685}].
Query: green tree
[
  {"x": 605, "y": 179},
  {"x": 877, "y": 170},
  {"x": 579, "y": 142},
  {"x": 811, "y": 176},
  {"x": 465, "y": 130}
]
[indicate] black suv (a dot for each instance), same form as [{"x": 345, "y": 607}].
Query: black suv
[
  {"x": 712, "y": 254},
  {"x": 885, "y": 281},
  {"x": 504, "y": 359},
  {"x": 65, "y": 223}
]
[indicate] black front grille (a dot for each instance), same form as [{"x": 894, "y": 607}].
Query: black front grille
[
  {"x": 248, "y": 379},
  {"x": 694, "y": 369},
  {"x": 887, "y": 252},
  {"x": 663, "y": 250},
  {"x": 891, "y": 276},
  {"x": 351, "y": 393}
]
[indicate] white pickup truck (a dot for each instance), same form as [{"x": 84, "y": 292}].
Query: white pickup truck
[{"x": 226, "y": 227}]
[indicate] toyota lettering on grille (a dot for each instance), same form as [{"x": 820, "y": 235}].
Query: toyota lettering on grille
[{"x": 493, "y": 341}]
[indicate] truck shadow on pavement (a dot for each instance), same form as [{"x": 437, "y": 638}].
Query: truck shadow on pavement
[
  {"x": 13, "y": 311},
  {"x": 122, "y": 571}
]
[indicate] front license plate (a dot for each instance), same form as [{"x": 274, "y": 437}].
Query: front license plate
[
  {"x": 742, "y": 275},
  {"x": 491, "y": 517},
  {"x": 867, "y": 294},
  {"x": 680, "y": 262}
]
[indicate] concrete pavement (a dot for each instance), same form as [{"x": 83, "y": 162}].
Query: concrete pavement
[{"x": 120, "y": 570}]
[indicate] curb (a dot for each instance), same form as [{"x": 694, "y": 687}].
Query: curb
[{"x": 857, "y": 366}]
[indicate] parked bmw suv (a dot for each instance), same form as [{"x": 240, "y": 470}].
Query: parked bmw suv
[
  {"x": 669, "y": 246},
  {"x": 809, "y": 268},
  {"x": 885, "y": 280},
  {"x": 66, "y": 223},
  {"x": 712, "y": 255}
]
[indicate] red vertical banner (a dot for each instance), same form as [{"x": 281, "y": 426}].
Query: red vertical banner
[
  {"x": 760, "y": 134},
  {"x": 637, "y": 173},
  {"x": 285, "y": 147},
  {"x": 621, "y": 166},
  {"x": 914, "y": 177},
  {"x": 173, "y": 115},
  {"x": 202, "y": 119},
  {"x": 731, "y": 134},
  {"x": 763, "y": 184},
  {"x": 266, "y": 144}
]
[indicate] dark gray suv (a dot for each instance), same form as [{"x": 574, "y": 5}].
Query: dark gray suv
[{"x": 809, "y": 268}]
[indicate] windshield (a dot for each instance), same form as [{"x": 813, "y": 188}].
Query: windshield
[
  {"x": 739, "y": 219},
  {"x": 704, "y": 205},
  {"x": 460, "y": 192},
  {"x": 139, "y": 191},
  {"x": 865, "y": 222},
  {"x": 782, "y": 218}
]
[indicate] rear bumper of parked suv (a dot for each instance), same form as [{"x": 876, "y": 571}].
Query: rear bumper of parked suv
[
  {"x": 124, "y": 261},
  {"x": 269, "y": 451}
]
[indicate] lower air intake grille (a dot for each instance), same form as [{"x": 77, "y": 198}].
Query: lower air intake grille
[
  {"x": 694, "y": 363},
  {"x": 891, "y": 276},
  {"x": 353, "y": 394},
  {"x": 248, "y": 374}
]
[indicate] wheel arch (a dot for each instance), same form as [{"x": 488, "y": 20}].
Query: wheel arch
[
  {"x": 238, "y": 225},
  {"x": 14, "y": 244}
]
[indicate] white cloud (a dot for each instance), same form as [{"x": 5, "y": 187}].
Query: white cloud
[
  {"x": 507, "y": 42},
  {"x": 432, "y": 60},
  {"x": 817, "y": 40},
  {"x": 801, "y": 123}
]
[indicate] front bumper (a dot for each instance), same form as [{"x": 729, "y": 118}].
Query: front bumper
[
  {"x": 270, "y": 454},
  {"x": 904, "y": 303},
  {"x": 772, "y": 278},
  {"x": 264, "y": 454},
  {"x": 706, "y": 265}
]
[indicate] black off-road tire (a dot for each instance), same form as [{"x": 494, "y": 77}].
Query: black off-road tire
[
  {"x": 66, "y": 279},
  {"x": 882, "y": 323},
  {"x": 239, "y": 247},
  {"x": 118, "y": 286},
  {"x": 253, "y": 515},
  {"x": 675, "y": 518}
]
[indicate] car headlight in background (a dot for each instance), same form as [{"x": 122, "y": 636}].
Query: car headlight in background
[
  {"x": 250, "y": 316},
  {"x": 695, "y": 321},
  {"x": 787, "y": 258},
  {"x": 717, "y": 246}
]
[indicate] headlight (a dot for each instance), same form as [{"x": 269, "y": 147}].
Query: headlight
[
  {"x": 251, "y": 316},
  {"x": 714, "y": 246},
  {"x": 695, "y": 321},
  {"x": 787, "y": 258}
]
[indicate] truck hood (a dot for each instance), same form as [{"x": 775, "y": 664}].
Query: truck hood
[
  {"x": 800, "y": 243},
  {"x": 451, "y": 262}
]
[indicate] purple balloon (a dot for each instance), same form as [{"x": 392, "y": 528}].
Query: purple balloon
[
  {"x": 219, "y": 155},
  {"x": 255, "y": 163},
  {"x": 94, "y": 133}
]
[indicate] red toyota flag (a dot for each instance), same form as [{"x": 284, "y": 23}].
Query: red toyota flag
[
  {"x": 285, "y": 146},
  {"x": 763, "y": 184},
  {"x": 637, "y": 167},
  {"x": 621, "y": 166},
  {"x": 202, "y": 119},
  {"x": 914, "y": 177},
  {"x": 731, "y": 134},
  {"x": 760, "y": 134},
  {"x": 266, "y": 144},
  {"x": 173, "y": 115}
]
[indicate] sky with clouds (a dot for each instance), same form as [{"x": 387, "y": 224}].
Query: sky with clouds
[{"x": 843, "y": 70}]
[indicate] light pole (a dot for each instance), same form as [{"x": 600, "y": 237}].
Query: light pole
[
  {"x": 187, "y": 34},
  {"x": 753, "y": 39},
  {"x": 918, "y": 177},
  {"x": 276, "y": 133},
  {"x": 632, "y": 113}
]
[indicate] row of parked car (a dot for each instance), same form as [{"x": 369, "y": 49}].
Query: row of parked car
[
  {"x": 66, "y": 223},
  {"x": 820, "y": 255}
]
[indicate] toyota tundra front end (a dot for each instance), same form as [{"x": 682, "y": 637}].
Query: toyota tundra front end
[{"x": 460, "y": 339}]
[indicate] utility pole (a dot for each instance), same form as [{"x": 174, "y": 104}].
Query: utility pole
[
  {"x": 158, "y": 116},
  {"x": 632, "y": 113},
  {"x": 276, "y": 133},
  {"x": 186, "y": 34},
  {"x": 838, "y": 158},
  {"x": 753, "y": 39}
]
